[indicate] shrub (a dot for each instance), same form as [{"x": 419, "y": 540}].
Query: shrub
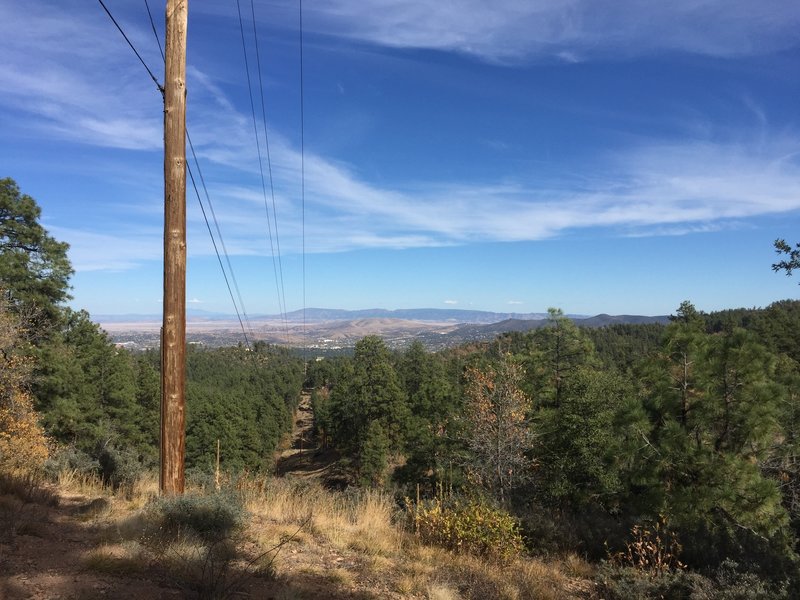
[
  {"x": 211, "y": 518},
  {"x": 727, "y": 583},
  {"x": 195, "y": 537},
  {"x": 23, "y": 444},
  {"x": 628, "y": 583},
  {"x": 119, "y": 467},
  {"x": 70, "y": 458},
  {"x": 653, "y": 549},
  {"x": 471, "y": 527}
]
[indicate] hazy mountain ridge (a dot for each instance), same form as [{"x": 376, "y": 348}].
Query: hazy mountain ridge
[
  {"x": 336, "y": 330},
  {"x": 336, "y": 314}
]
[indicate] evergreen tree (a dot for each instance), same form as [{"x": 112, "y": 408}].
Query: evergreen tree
[
  {"x": 34, "y": 267},
  {"x": 432, "y": 400},
  {"x": 713, "y": 406},
  {"x": 787, "y": 264},
  {"x": 559, "y": 349},
  {"x": 583, "y": 446},
  {"x": 370, "y": 391},
  {"x": 374, "y": 456}
]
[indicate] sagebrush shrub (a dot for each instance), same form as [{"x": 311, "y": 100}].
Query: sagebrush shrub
[{"x": 212, "y": 518}]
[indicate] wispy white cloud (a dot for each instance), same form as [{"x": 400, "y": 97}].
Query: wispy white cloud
[
  {"x": 92, "y": 251},
  {"x": 568, "y": 30},
  {"x": 55, "y": 73},
  {"x": 451, "y": 302},
  {"x": 647, "y": 190}
]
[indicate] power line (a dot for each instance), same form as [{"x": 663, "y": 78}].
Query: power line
[
  {"x": 213, "y": 212},
  {"x": 153, "y": 25},
  {"x": 269, "y": 164},
  {"x": 303, "y": 178},
  {"x": 139, "y": 56},
  {"x": 281, "y": 308},
  {"x": 191, "y": 175},
  {"x": 208, "y": 226},
  {"x": 222, "y": 243}
]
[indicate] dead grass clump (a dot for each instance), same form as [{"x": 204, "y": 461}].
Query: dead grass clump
[
  {"x": 74, "y": 481},
  {"x": 653, "y": 548},
  {"x": 29, "y": 488},
  {"x": 117, "y": 559},
  {"x": 287, "y": 500},
  {"x": 523, "y": 579},
  {"x": 371, "y": 529},
  {"x": 574, "y": 566},
  {"x": 142, "y": 490},
  {"x": 340, "y": 577},
  {"x": 438, "y": 591},
  {"x": 24, "y": 499},
  {"x": 360, "y": 521}
]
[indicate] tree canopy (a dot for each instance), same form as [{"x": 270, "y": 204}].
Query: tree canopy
[
  {"x": 34, "y": 267},
  {"x": 787, "y": 264}
]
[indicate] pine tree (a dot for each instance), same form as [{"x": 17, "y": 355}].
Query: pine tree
[
  {"x": 34, "y": 267},
  {"x": 369, "y": 391},
  {"x": 712, "y": 401}
]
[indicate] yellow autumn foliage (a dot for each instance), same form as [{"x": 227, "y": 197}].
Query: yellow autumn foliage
[{"x": 23, "y": 443}]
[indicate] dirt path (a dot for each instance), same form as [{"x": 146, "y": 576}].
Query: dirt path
[
  {"x": 45, "y": 559},
  {"x": 304, "y": 458}
]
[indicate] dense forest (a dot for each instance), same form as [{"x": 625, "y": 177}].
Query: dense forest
[
  {"x": 100, "y": 403},
  {"x": 586, "y": 434},
  {"x": 684, "y": 435}
]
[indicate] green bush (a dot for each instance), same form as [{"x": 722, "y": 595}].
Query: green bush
[
  {"x": 471, "y": 527},
  {"x": 630, "y": 583},
  {"x": 211, "y": 518},
  {"x": 727, "y": 583},
  {"x": 119, "y": 467},
  {"x": 70, "y": 458},
  {"x": 196, "y": 539}
]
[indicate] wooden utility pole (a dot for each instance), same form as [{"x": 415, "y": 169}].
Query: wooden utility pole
[{"x": 173, "y": 332}]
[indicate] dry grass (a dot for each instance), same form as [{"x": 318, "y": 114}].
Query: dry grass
[
  {"x": 437, "y": 591},
  {"x": 116, "y": 559},
  {"x": 345, "y": 542},
  {"x": 360, "y": 522},
  {"x": 85, "y": 484}
]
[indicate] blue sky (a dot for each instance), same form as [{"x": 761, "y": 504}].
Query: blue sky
[{"x": 605, "y": 156}]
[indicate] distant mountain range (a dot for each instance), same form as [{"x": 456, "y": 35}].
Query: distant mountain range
[
  {"x": 438, "y": 315},
  {"x": 506, "y": 321},
  {"x": 335, "y": 330}
]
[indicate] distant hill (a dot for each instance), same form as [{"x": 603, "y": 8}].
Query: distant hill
[
  {"x": 438, "y": 315},
  {"x": 476, "y": 332},
  {"x": 334, "y": 329},
  {"x": 317, "y": 315}
]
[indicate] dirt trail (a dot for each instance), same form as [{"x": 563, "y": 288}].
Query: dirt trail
[
  {"x": 46, "y": 559},
  {"x": 305, "y": 458}
]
